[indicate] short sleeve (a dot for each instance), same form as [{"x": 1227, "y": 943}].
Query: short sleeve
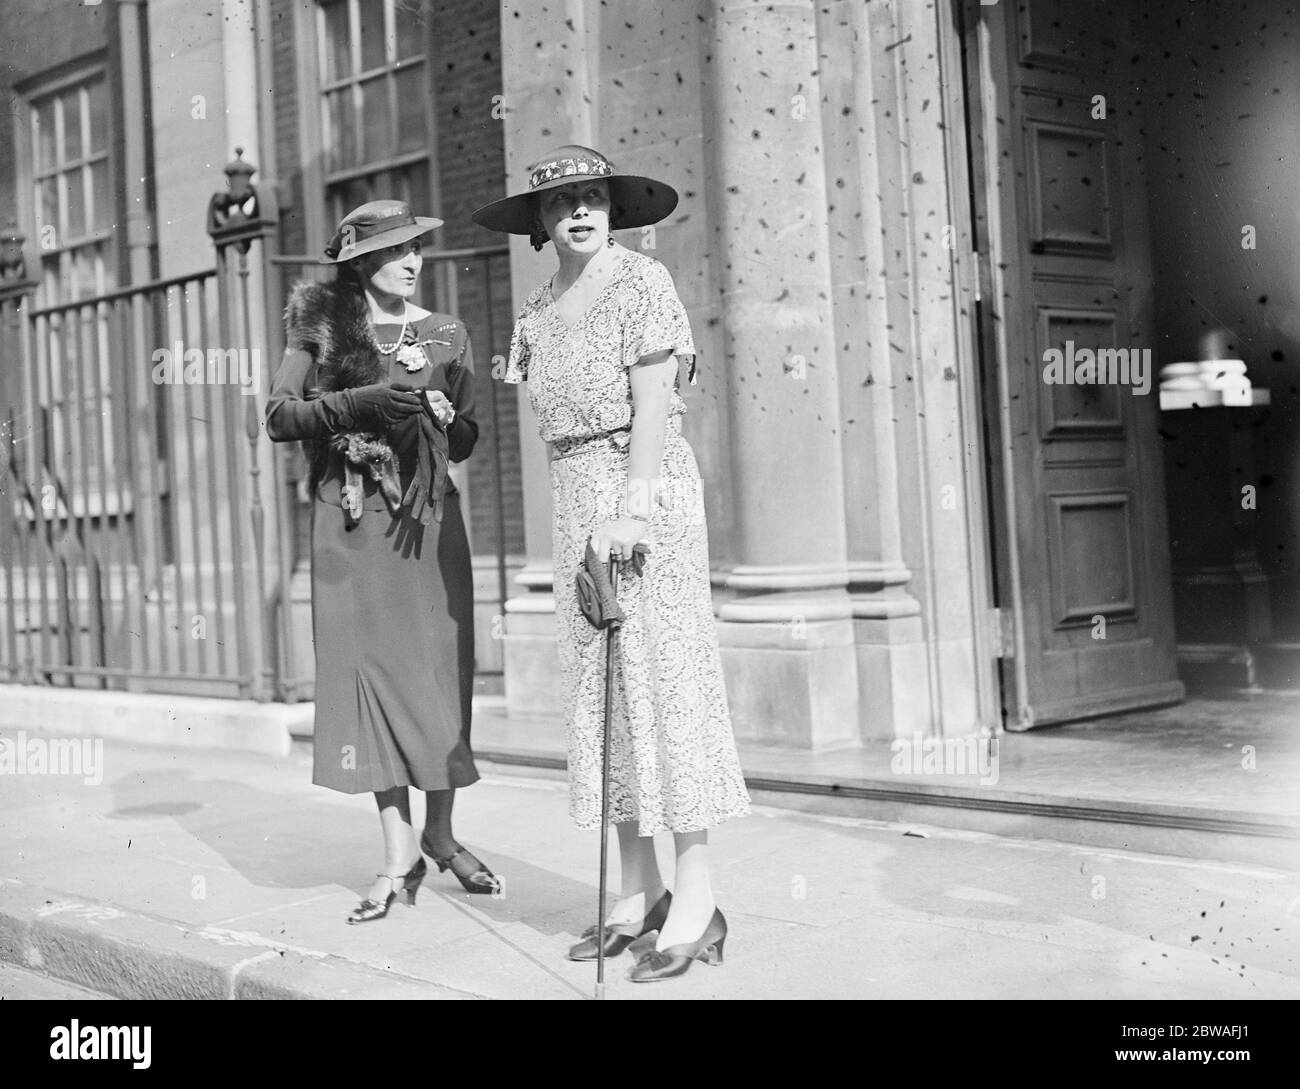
[
  {"x": 517, "y": 364},
  {"x": 656, "y": 320}
]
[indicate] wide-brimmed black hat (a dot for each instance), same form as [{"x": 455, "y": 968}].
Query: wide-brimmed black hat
[
  {"x": 635, "y": 201},
  {"x": 375, "y": 225}
]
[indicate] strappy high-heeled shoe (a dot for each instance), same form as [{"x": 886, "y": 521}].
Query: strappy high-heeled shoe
[
  {"x": 481, "y": 880},
  {"x": 676, "y": 959},
  {"x": 619, "y": 936},
  {"x": 369, "y": 910}
]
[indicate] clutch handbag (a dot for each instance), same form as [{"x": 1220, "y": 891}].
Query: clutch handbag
[{"x": 596, "y": 597}]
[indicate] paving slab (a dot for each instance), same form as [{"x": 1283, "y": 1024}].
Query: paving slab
[{"x": 190, "y": 873}]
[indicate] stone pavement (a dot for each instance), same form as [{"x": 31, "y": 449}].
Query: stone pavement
[{"x": 199, "y": 873}]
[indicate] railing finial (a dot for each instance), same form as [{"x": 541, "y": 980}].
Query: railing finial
[{"x": 13, "y": 262}]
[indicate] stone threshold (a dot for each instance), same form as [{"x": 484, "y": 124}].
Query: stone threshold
[{"x": 1235, "y": 836}]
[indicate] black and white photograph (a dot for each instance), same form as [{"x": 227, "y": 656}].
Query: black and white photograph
[{"x": 607, "y": 500}]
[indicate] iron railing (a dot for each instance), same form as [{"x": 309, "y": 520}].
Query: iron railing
[
  {"x": 121, "y": 567},
  {"x": 151, "y": 538}
]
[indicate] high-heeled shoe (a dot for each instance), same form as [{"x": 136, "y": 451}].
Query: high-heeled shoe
[
  {"x": 481, "y": 880},
  {"x": 676, "y": 959},
  {"x": 619, "y": 936},
  {"x": 369, "y": 909}
]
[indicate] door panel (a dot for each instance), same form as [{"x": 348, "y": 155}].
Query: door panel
[{"x": 1070, "y": 275}]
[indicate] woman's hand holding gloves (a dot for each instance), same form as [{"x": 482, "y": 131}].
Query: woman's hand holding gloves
[
  {"x": 378, "y": 407},
  {"x": 375, "y": 408}
]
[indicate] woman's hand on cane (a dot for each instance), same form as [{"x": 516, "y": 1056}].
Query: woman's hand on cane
[{"x": 618, "y": 538}]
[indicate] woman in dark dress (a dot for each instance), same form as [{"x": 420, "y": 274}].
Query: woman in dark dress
[{"x": 380, "y": 392}]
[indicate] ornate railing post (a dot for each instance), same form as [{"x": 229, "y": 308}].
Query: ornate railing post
[
  {"x": 17, "y": 655},
  {"x": 238, "y": 221}
]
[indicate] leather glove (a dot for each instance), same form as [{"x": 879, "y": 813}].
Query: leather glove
[
  {"x": 381, "y": 406},
  {"x": 596, "y": 598}
]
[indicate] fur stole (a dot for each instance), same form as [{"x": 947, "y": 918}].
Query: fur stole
[{"x": 330, "y": 321}]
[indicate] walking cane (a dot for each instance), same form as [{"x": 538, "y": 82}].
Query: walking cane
[
  {"x": 599, "y": 604},
  {"x": 604, "y": 785}
]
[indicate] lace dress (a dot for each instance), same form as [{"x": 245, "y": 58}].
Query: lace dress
[{"x": 672, "y": 753}]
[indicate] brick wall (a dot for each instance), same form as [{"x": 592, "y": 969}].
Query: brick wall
[
  {"x": 293, "y": 235},
  {"x": 465, "y": 58},
  {"x": 466, "y": 72}
]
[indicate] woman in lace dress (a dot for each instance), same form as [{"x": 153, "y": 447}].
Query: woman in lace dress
[{"x": 600, "y": 345}]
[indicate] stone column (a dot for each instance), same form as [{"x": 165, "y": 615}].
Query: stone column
[
  {"x": 545, "y": 102},
  {"x": 890, "y": 644},
  {"x": 787, "y": 633},
  {"x": 904, "y": 304}
]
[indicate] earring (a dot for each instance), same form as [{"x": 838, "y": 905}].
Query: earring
[{"x": 610, "y": 240}]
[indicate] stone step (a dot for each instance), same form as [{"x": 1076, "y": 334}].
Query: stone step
[{"x": 1182, "y": 831}]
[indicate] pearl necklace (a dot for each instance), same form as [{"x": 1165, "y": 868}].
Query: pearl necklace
[{"x": 389, "y": 349}]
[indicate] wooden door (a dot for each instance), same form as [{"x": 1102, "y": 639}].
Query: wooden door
[{"x": 1084, "y": 556}]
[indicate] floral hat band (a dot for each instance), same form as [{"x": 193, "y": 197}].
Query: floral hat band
[
  {"x": 578, "y": 166},
  {"x": 634, "y": 201}
]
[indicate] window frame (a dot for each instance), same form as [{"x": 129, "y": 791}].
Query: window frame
[
  {"x": 52, "y": 284},
  {"x": 319, "y": 139}
]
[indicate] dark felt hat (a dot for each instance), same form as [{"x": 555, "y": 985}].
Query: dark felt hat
[
  {"x": 375, "y": 225},
  {"x": 635, "y": 201}
]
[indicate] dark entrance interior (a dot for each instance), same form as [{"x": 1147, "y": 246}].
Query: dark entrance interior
[{"x": 1129, "y": 186}]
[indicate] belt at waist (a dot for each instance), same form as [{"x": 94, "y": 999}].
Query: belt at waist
[{"x": 616, "y": 440}]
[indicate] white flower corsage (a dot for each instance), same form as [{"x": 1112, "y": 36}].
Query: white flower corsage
[{"x": 412, "y": 357}]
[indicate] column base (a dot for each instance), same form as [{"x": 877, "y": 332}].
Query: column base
[
  {"x": 489, "y": 624},
  {"x": 531, "y": 657},
  {"x": 893, "y": 678},
  {"x": 792, "y": 684},
  {"x": 301, "y": 670}
]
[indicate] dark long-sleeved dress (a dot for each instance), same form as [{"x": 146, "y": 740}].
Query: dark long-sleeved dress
[{"x": 392, "y": 600}]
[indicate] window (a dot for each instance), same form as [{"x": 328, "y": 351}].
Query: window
[
  {"x": 73, "y": 192},
  {"x": 376, "y": 111}
]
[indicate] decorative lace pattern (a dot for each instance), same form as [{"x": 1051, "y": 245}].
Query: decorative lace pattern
[{"x": 673, "y": 756}]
